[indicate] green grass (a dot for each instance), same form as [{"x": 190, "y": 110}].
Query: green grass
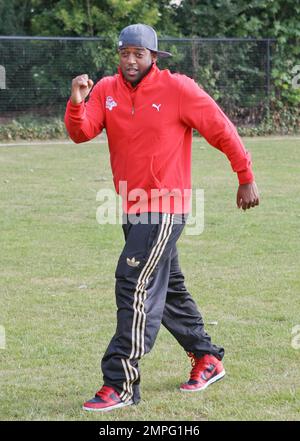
[{"x": 57, "y": 288}]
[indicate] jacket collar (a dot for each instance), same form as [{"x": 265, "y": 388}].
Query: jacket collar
[{"x": 151, "y": 75}]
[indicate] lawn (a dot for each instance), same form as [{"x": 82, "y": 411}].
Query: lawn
[{"x": 57, "y": 302}]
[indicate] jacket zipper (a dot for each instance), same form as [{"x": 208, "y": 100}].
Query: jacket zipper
[{"x": 132, "y": 104}]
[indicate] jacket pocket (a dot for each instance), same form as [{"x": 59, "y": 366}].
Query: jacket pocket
[{"x": 156, "y": 180}]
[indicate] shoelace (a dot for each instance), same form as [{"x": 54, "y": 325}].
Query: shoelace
[
  {"x": 198, "y": 365},
  {"x": 104, "y": 392}
]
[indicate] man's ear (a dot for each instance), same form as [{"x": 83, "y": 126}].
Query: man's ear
[{"x": 154, "y": 57}]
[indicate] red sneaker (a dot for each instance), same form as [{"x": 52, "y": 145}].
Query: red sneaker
[
  {"x": 206, "y": 370},
  {"x": 107, "y": 398}
]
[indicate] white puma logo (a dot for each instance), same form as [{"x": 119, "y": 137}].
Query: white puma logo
[{"x": 156, "y": 106}]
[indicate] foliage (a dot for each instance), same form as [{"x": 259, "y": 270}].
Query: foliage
[
  {"x": 282, "y": 122},
  {"x": 278, "y": 19},
  {"x": 32, "y": 128},
  {"x": 46, "y": 67},
  {"x": 103, "y": 18}
]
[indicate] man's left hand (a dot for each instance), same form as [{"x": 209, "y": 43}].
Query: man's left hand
[{"x": 247, "y": 196}]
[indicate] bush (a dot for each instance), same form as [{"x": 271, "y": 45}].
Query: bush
[
  {"x": 283, "y": 122},
  {"x": 29, "y": 128}
]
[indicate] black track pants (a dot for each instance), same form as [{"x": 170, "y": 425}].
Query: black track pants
[{"x": 150, "y": 290}]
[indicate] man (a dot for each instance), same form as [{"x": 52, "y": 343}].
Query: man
[{"x": 149, "y": 115}]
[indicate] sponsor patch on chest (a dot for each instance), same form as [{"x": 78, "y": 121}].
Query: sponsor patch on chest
[{"x": 110, "y": 103}]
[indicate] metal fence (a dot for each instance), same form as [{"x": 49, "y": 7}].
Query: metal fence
[{"x": 36, "y": 72}]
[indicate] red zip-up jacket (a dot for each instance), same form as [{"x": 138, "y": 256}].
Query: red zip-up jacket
[{"x": 149, "y": 131}]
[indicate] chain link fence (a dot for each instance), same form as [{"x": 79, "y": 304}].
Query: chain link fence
[{"x": 36, "y": 72}]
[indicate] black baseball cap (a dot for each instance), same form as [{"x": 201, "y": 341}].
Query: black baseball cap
[{"x": 141, "y": 35}]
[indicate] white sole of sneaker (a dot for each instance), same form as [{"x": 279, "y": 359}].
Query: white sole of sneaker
[
  {"x": 107, "y": 409},
  {"x": 212, "y": 380}
]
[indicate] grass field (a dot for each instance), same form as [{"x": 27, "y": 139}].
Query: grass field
[{"x": 57, "y": 300}]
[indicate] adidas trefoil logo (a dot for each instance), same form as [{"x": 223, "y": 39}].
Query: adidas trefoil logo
[{"x": 132, "y": 262}]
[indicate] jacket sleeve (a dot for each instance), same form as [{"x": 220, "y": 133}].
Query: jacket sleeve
[
  {"x": 198, "y": 110},
  {"x": 84, "y": 121}
]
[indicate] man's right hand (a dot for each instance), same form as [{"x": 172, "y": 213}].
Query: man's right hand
[{"x": 81, "y": 87}]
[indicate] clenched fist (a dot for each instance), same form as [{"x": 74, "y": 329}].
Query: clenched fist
[
  {"x": 81, "y": 87},
  {"x": 247, "y": 196}
]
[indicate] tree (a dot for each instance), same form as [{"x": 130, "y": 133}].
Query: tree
[
  {"x": 15, "y": 17},
  {"x": 278, "y": 19},
  {"x": 48, "y": 66}
]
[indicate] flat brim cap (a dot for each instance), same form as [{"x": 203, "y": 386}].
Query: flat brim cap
[{"x": 141, "y": 35}]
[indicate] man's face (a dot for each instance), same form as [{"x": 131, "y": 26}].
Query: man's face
[{"x": 135, "y": 63}]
